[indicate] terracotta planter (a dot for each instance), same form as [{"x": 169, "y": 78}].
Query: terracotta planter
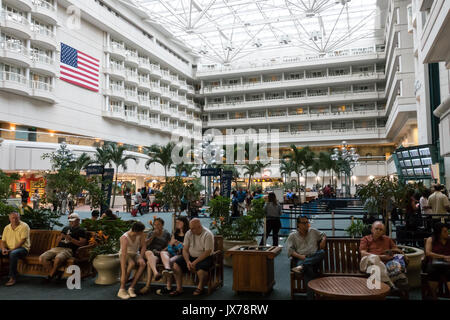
[
  {"x": 108, "y": 268},
  {"x": 414, "y": 266},
  {"x": 228, "y": 244}
]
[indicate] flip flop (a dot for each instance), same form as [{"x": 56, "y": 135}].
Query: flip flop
[
  {"x": 175, "y": 293},
  {"x": 197, "y": 292}
]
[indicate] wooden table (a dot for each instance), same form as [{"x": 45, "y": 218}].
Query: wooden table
[
  {"x": 353, "y": 288},
  {"x": 253, "y": 268}
]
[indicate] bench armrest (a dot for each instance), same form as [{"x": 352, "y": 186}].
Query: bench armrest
[{"x": 84, "y": 252}]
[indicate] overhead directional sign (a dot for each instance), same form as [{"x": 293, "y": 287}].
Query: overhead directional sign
[
  {"x": 90, "y": 170},
  {"x": 210, "y": 172}
]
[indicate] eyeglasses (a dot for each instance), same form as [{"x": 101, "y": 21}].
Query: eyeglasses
[{"x": 304, "y": 222}]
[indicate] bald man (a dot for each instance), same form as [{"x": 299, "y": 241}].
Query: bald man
[
  {"x": 197, "y": 249},
  {"x": 378, "y": 249}
]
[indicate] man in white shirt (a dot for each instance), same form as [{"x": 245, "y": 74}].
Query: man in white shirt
[
  {"x": 438, "y": 201},
  {"x": 197, "y": 249}
]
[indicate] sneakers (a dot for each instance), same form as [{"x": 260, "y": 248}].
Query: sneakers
[
  {"x": 298, "y": 269},
  {"x": 123, "y": 294},
  {"x": 131, "y": 293}
]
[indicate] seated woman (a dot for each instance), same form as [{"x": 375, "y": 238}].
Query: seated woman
[
  {"x": 130, "y": 243},
  {"x": 437, "y": 250},
  {"x": 174, "y": 250},
  {"x": 157, "y": 241}
]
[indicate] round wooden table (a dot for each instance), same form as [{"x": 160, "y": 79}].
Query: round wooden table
[{"x": 347, "y": 288}]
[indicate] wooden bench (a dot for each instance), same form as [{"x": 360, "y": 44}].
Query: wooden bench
[
  {"x": 442, "y": 286},
  {"x": 342, "y": 258},
  {"x": 215, "y": 273},
  {"x": 41, "y": 241}
]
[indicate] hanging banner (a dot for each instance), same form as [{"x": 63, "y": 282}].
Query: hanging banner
[{"x": 225, "y": 183}]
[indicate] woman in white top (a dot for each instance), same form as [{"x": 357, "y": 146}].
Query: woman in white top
[
  {"x": 424, "y": 205},
  {"x": 130, "y": 242}
]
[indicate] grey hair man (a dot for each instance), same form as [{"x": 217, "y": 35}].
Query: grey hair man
[{"x": 198, "y": 247}]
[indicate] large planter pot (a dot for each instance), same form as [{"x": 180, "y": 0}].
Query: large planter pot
[
  {"x": 228, "y": 244},
  {"x": 414, "y": 266},
  {"x": 108, "y": 268}
]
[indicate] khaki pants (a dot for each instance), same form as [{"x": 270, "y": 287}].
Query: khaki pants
[
  {"x": 374, "y": 260},
  {"x": 61, "y": 253}
]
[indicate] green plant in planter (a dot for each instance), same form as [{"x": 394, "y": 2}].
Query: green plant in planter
[
  {"x": 5, "y": 210},
  {"x": 240, "y": 228},
  {"x": 43, "y": 219},
  {"x": 380, "y": 194},
  {"x": 358, "y": 229},
  {"x": 107, "y": 234}
]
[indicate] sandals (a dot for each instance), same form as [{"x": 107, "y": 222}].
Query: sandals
[
  {"x": 144, "y": 290},
  {"x": 175, "y": 293},
  {"x": 197, "y": 292},
  {"x": 158, "y": 276}
]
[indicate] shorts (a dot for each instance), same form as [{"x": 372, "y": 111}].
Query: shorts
[
  {"x": 202, "y": 265},
  {"x": 58, "y": 252},
  {"x": 133, "y": 257},
  {"x": 436, "y": 273}
]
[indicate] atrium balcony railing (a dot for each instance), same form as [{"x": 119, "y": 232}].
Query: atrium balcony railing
[
  {"x": 43, "y": 31},
  {"x": 44, "y": 4},
  {"x": 255, "y": 85},
  {"x": 15, "y": 47},
  {"x": 15, "y": 17},
  {"x": 263, "y": 101},
  {"x": 13, "y": 77},
  {"x": 42, "y": 58},
  {"x": 205, "y": 69},
  {"x": 41, "y": 86}
]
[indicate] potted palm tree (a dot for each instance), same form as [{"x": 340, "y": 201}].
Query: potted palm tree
[{"x": 236, "y": 231}]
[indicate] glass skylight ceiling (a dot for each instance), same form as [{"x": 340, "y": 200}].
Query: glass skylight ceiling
[{"x": 224, "y": 31}]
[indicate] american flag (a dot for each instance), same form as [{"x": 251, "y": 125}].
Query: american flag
[{"x": 79, "y": 68}]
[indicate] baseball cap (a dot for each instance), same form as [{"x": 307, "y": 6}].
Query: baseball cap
[{"x": 74, "y": 216}]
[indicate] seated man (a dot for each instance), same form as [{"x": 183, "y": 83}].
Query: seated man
[
  {"x": 303, "y": 247},
  {"x": 15, "y": 244},
  {"x": 71, "y": 238},
  {"x": 197, "y": 249},
  {"x": 377, "y": 249}
]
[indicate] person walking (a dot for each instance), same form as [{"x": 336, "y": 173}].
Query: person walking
[
  {"x": 35, "y": 199},
  {"x": 127, "y": 196},
  {"x": 273, "y": 222}
]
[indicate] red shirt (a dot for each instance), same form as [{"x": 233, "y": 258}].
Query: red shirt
[{"x": 378, "y": 246}]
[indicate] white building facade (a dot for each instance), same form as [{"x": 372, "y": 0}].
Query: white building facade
[{"x": 369, "y": 96}]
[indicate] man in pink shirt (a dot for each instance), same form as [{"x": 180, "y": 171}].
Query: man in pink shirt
[{"x": 376, "y": 250}]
